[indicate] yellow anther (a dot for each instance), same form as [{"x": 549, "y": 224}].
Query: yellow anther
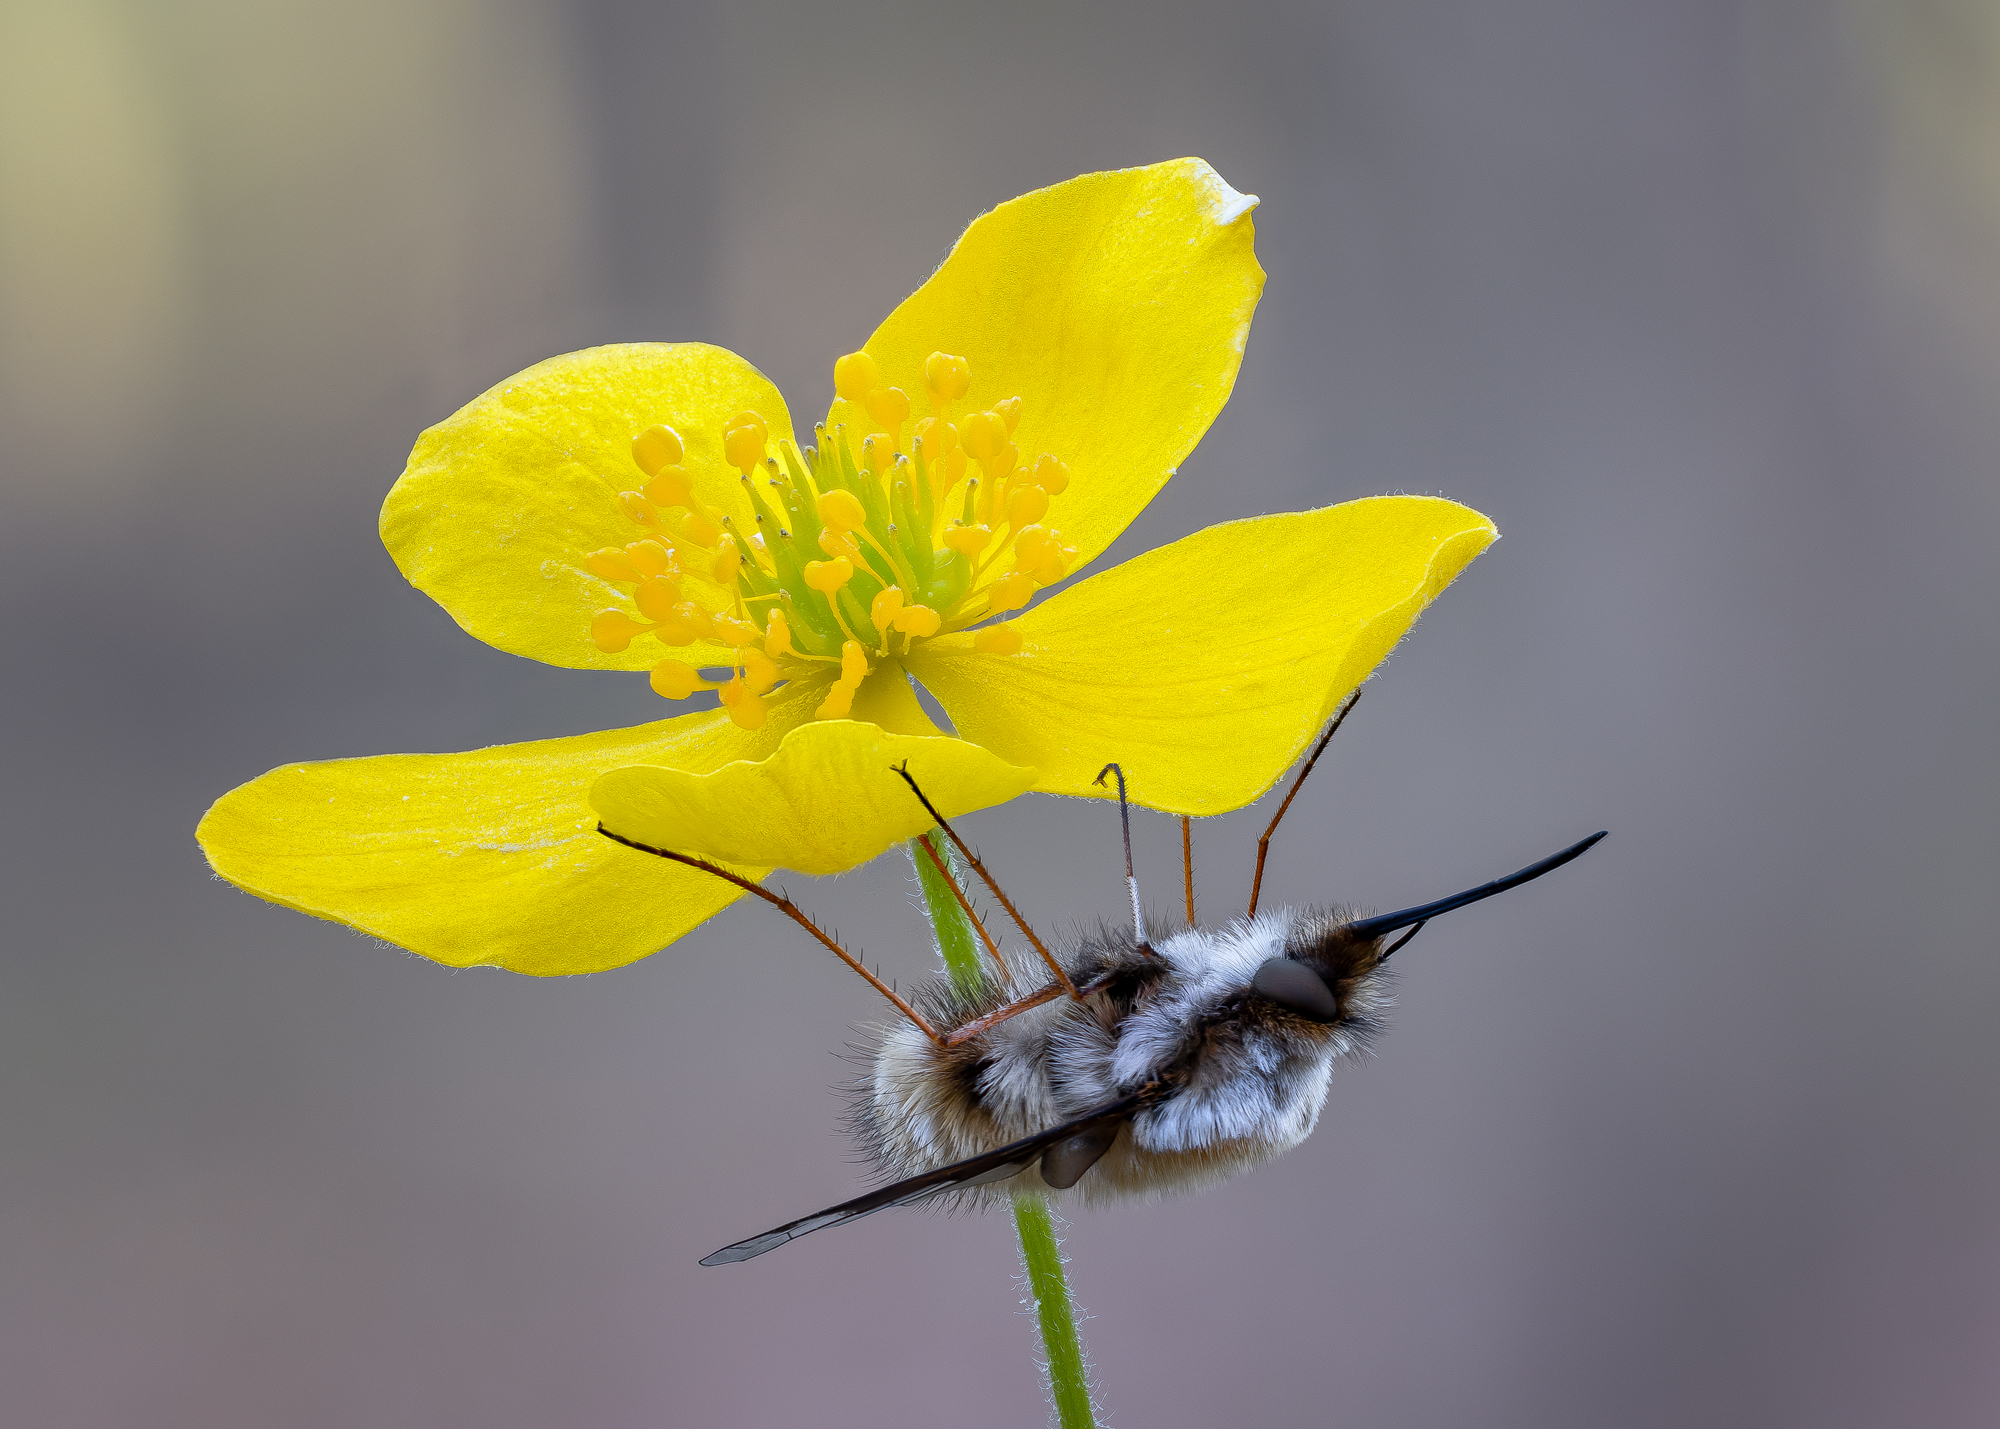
[
  {"x": 777, "y": 635},
  {"x": 656, "y": 447},
  {"x": 656, "y": 598},
  {"x": 1026, "y": 505},
  {"x": 842, "y": 510},
  {"x": 853, "y": 662},
  {"x": 760, "y": 672},
  {"x": 878, "y": 454},
  {"x": 1031, "y": 543},
  {"x": 968, "y": 541},
  {"x": 1051, "y": 475},
  {"x": 826, "y": 577},
  {"x": 839, "y": 546},
  {"x": 883, "y": 610},
  {"x": 746, "y": 711},
  {"x": 700, "y": 530},
  {"x": 948, "y": 377},
  {"x": 889, "y": 407},
  {"x": 1008, "y": 409},
  {"x": 917, "y": 620},
  {"x": 1052, "y": 567},
  {"x": 638, "y": 508},
  {"x": 733, "y": 632},
  {"x": 727, "y": 562},
  {"x": 650, "y": 558},
  {"x": 855, "y": 376},
  {"x": 983, "y": 434},
  {"x": 936, "y": 437},
  {"x": 997, "y": 640},
  {"x": 612, "y": 630},
  {"x": 1002, "y": 462},
  {"x": 839, "y": 700},
  {"x": 743, "y": 447},
  {"x": 670, "y": 487},
  {"x": 686, "y": 623},
  {"x": 751, "y": 419},
  {"x": 611, "y": 564},
  {"x": 1010, "y": 592},
  {"x": 674, "y": 680}
]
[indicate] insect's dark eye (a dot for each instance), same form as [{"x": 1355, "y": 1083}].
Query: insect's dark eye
[{"x": 1295, "y": 986}]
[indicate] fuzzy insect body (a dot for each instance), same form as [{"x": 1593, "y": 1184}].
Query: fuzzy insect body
[
  {"x": 1226, "y": 1076},
  {"x": 1154, "y": 1061}
]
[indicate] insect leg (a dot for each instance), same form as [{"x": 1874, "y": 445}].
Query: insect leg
[
  {"x": 790, "y": 910},
  {"x": 958, "y": 893},
  {"x": 979, "y": 868},
  {"x": 1264, "y": 843},
  {"x": 1187, "y": 862},
  {"x": 1131, "y": 883}
]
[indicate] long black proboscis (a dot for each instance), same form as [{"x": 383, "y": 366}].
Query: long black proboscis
[
  {"x": 1390, "y": 922},
  {"x": 1007, "y": 1160}
]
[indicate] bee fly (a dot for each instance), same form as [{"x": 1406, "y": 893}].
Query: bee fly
[{"x": 1148, "y": 1061}]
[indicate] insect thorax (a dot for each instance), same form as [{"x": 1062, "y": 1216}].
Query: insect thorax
[{"x": 1236, "y": 1077}]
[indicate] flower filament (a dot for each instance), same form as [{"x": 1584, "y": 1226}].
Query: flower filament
[{"x": 928, "y": 529}]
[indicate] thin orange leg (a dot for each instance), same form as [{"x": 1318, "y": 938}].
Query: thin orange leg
[
  {"x": 952, "y": 883},
  {"x": 1062, "y": 978},
  {"x": 1264, "y": 844},
  {"x": 791, "y": 910},
  {"x": 1187, "y": 863}
]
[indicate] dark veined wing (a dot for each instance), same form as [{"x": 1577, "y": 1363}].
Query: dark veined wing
[{"x": 1008, "y": 1160}]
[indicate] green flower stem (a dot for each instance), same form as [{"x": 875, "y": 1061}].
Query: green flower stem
[
  {"x": 1069, "y": 1384},
  {"x": 958, "y": 945}
]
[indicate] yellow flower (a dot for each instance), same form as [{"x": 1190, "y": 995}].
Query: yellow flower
[{"x": 648, "y": 507}]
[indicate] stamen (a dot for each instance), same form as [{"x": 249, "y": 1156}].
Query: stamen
[
  {"x": 827, "y": 577},
  {"x": 656, "y": 598},
  {"x": 1051, "y": 475},
  {"x": 855, "y": 376},
  {"x": 612, "y": 630},
  {"x": 983, "y": 434},
  {"x": 842, "y": 511},
  {"x": 675, "y": 680},
  {"x": 1026, "y": 505},
  {"x": 1010, "y": 592},
  {"x": 908, "y": 538},
  {"x": 656, "y": 447},
  {"x": 948, "y": 377}
]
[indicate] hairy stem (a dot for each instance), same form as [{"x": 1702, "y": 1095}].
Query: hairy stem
[
  {"x": 957, "y": 944},
  {"x": 1069, "y": 1384}
]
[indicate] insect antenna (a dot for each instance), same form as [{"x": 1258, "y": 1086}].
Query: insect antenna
[
  {"x": 1264, "y": 843},
  {"x": 1131, "y": 883},
  {"x": 1415, "y": 918},
  {"x": 790, "y": 910},
  {"x": 1187, "y": 863},
  {"x": 979, "y": 868},
  {"x": 965, "y": 905}
]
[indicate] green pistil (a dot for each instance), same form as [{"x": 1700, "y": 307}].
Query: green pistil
[{"x": 970, "y": 516}]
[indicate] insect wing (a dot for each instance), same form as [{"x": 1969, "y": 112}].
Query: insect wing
[{"x": 997, "y": 1165}]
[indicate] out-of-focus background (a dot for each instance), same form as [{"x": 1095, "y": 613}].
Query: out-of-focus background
[{"x": 1700, "y": 301}]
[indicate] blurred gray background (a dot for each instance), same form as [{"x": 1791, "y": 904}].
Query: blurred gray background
[{"x": 1700, "y": 301}]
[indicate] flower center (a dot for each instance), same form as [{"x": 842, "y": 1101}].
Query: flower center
[{"x": 857, "y": 556}]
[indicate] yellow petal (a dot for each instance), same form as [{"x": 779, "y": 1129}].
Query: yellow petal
[
  {"x": 1205, "y": 667},
  {"x": 488, "y": 857},
  {"x": 827, "y": 801},
  {"x": 503, "y": 500},
  {"x": 1115, "y": 306}
]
